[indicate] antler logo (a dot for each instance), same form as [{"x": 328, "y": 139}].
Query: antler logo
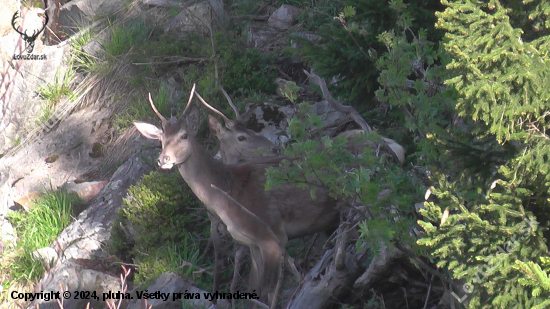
[{"x": 29, "y": 39}]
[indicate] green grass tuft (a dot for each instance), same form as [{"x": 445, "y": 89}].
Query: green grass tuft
[
  {"x": 124, "y": 38},
  {"x": 36, "y": 229},
  {"x": 83, "y": 61},
  {"x": 53, "y": 93}
]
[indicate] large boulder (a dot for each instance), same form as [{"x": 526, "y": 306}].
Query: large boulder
[
  {"x": 197, "y": 17},
  {"x": 79, "y": 13},
  {"x": 23, "y": 78},
  {"x": 284, "y": 17}
]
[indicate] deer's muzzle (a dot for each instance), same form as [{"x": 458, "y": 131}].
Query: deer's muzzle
[{"x": 164, "y": 162}]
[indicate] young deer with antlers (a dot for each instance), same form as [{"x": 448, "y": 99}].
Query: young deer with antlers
[
  {"x": 240, "y": 144},
  {"x": 262, "y": 220}
]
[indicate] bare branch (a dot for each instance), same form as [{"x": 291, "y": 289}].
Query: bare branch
[
  {"x": 177, "y": 60},
  {"x": 346, "y": 109}
]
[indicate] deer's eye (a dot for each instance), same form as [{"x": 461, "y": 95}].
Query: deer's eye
[
  {"x": 184, "y": 136},
  {"x": 241, "y": 138}
]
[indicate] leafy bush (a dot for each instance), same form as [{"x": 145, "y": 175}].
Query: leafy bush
[
  {"x": 349, "y": 47},
  {"x": 380, "y": 193}
]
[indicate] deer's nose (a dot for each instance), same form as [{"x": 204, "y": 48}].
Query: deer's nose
[{"x": 163, "y": 159}]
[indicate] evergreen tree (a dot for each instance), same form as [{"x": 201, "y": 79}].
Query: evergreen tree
[{"x": 492, "y": 238}]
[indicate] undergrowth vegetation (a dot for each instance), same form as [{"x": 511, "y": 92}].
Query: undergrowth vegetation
[
  {"x": 36, "y": 228},
  {"x": 350, "y": 48},
  {"x": 52, "y": 93},
  {"x": 162, "y": 228}
]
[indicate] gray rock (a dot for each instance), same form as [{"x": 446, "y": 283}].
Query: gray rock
[
  {"x": 79, "y": 13},
  {"x": 7, "y": 9},
  {"x": 304, "y": 35},
  {"x": 308, "y": 36},
  {"x": 260, "y": 35},
  {"x": 23, "y": 77},
  {"x": 47, "y": 256},
  {"x": 23, "y": 101},
  {"x": 284, "y": 17},
  {"x": 197, "y": 17},
  {"x": 27, "y": 170},
  {"x": 8, "y": 238},
  {"x": 73, "y": 277}
]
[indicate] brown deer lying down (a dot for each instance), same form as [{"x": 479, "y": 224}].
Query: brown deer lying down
[{"x": 262, "y": 220}]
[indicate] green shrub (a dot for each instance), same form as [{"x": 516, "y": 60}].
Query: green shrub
[
  {"x": 360, "y": 180},
  {"x": 245, "y": 70},
  {"x": 158, "y": 208},
  {"x": 349, "y": 47},
  {"x": 167, "y": 223}
]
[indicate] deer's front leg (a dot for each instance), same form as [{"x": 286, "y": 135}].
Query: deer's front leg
[
  {"x": 217, "y": 243},
  {"x": 239, "y": 256}
]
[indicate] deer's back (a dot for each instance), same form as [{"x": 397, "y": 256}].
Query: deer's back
[{"x": 285, "y": 207}]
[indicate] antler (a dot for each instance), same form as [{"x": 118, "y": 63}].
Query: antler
[
  {"x": 225, "y": 119},
  {"x": 240, "y": 118},
  {"x": 162, "y": 119},
  {"x": 231, "y": 103},
  {"x": 190, "y": 99},
  {"x": 349, "y": 110}
]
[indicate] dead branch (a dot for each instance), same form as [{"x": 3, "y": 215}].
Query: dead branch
[
  {"x": 346, "y": 109},
  {"x": 177, "y": 60}
]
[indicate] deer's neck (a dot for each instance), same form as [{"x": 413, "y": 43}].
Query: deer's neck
[{"x": 200, "y": 171}]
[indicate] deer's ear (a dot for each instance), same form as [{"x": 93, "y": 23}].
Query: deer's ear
[
  {"x": 192, "y": 119},
  {"x": 148, "y": 130},
  {"x": 215, "y": 125},
  {"x": 245, "y": 118}
]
